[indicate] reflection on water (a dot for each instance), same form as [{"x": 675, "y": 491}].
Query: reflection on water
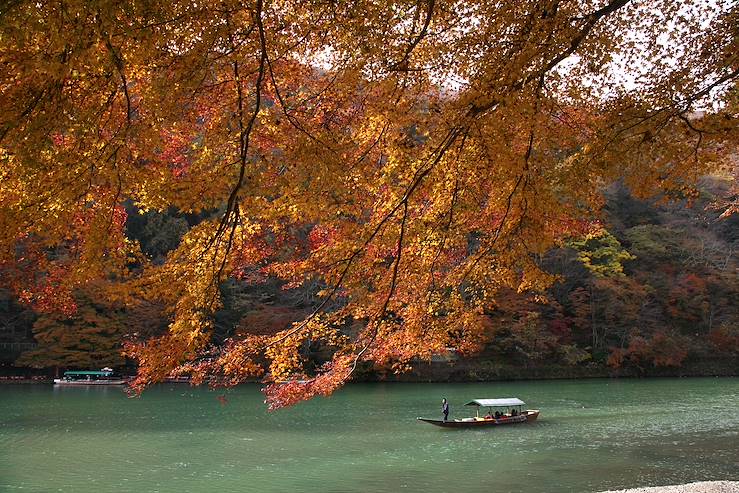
[{"x": 592, "y": 435}]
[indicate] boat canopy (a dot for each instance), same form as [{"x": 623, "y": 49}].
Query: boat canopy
[{"x": 507, "y": 402}]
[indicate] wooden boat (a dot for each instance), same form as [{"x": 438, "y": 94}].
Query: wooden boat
[
  {"x": 90, "y": 377},
  {"x": 513, "y": 414}
]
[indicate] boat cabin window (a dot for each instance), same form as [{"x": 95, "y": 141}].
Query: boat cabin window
[{"x": 87, "y": 375}]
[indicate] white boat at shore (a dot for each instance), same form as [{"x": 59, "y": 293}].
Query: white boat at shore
[{"x": 90, "y": 377}]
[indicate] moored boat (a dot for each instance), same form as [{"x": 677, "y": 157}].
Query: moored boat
[
  {"x": 106, "y": 376},
  {"x": 513, "y": 414}
]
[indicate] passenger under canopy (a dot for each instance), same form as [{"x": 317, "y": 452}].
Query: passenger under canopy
[
  {"x": 512, "y": 408},
  {"x": 507, "y": 402}
]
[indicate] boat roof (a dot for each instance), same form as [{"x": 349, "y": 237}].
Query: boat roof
[
  {"x": 89, "y": 372},
  {"x": 506, "y": 402}
]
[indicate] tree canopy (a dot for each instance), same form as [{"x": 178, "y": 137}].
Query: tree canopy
[
  {"x": 88, "y": 339},
  {"x": 408, "y": 159}
]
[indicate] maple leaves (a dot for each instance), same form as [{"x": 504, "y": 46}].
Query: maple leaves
[
  {"x": 601, "y": 253},
  {"x": 332, "y": 375},
  {"x": 412, "y": 158}
]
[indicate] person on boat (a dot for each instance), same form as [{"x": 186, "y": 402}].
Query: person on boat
[
  {"x": 445, "y": 409},
  {"x": 514, "y": 412},
  {"x": 497, "y": 415}
]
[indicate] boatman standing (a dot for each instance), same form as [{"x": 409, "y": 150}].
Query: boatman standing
[{"x": 445, "y": 409}]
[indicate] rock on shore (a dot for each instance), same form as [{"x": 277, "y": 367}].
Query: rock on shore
[{"x": 701, "y": 487}]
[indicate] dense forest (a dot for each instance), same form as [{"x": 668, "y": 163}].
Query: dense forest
[
  {"x": 655, "y": 295},
  {"x": 651, "y": 293},
  {"x": 314, "y": 192}
]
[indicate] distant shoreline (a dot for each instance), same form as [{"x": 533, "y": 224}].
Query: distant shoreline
[
  {"x": 24, "y": 380},
  {"x": 699, "y": 487},
  {"x": 485, "y": 368},
  {"x": 50, "y": 381},
  {"x": 482, "y": 369}
]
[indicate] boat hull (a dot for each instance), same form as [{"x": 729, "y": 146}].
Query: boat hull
[
  {"x": 59, "y": 381},
  {"x": 524, "y": 417}
]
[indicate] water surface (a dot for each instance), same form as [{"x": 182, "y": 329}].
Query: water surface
[{"x": 592, "y": 435}]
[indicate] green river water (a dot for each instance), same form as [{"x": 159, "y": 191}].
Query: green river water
[{"x": 592, "y": 435}]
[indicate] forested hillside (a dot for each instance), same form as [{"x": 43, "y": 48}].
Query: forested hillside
[
  {"x": 318, "y": 191},
  {"x": 655, "y": 289},
  {"x": 660, "y": 292}
]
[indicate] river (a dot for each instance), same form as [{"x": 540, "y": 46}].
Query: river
[{"x": 592, "y": 435}]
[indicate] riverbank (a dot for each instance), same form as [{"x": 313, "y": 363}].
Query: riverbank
[
  {"x": 17, "y": 380},
  {"x": 700, "y": 487},
  {"x": 481, "y": 369}
]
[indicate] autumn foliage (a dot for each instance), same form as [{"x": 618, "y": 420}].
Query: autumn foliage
[{"x": 409, "y": 159}]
